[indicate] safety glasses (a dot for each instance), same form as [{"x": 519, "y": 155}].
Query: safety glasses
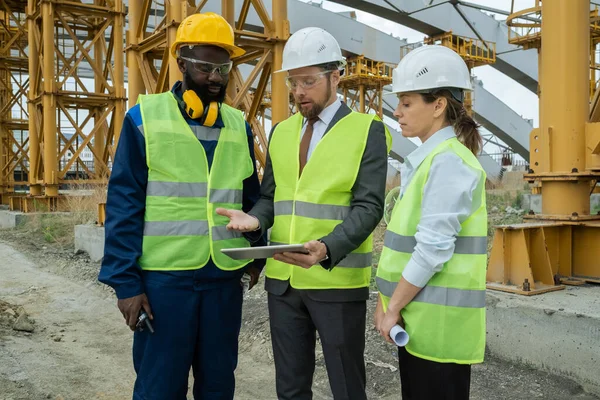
[
  {"x": 208, "y": 67},
  {"x": 304, "y": 81}
]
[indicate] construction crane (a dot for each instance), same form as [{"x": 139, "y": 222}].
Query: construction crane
[
  {"x": 44, "y": 47},
  {"x": 560, "y": 245}
]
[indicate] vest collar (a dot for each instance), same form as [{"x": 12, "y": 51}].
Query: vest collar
[{"x": 418, "y": 155}]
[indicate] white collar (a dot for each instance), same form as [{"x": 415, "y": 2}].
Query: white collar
[
  {"x": 328, "y": 112},
  {"x": 417, "y": 156}
]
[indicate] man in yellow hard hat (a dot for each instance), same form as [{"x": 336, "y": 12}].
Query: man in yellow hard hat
[{"x": 182, "y": 154}]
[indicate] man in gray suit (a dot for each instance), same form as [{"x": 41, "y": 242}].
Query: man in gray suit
[{"x": 324, "y": 185}]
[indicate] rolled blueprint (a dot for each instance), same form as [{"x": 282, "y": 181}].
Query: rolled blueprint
[{"x": 399, "y": 335}]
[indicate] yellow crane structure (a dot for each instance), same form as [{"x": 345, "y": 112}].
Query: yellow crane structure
[
  {"x": 560, "y": 245},
  {"x": 45, "y": 46},
  {"x": 362, "y": 84},
  {"x": 14, "y": 84}
]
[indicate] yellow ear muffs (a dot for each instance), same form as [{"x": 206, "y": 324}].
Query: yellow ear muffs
[
  {"x": 193, "y": 105},
  {"x": 195, "y": 108},
  {"x": 211, "y": 114}
]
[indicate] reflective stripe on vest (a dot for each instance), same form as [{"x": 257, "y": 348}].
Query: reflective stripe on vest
[
  {"x": 309, "y": 207},
  {"x": 176, "y": 189},
  {"x": 439, "y": 295},
  {"x": 463, "y": 244},
  {"x": 311, "y": 210},
  {"x": 446, "y": 320},
  {"x": 181, "y": 229}
]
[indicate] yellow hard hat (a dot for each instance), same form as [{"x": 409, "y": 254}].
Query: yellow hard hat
[{"x": 206, "y": 29}]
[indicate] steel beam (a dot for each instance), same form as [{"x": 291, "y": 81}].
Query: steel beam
[{"x": 441, "y": 16}]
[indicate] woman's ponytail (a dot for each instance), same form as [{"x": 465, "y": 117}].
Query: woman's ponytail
[{"x": 467, "y": 130}]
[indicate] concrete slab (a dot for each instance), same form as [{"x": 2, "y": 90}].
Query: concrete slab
[
  {"x": 534, "y": 202},
  {"x": 11, "y": 219},
  {"x": 558, "y": 332},
  {"x": 90, "y": 238}
]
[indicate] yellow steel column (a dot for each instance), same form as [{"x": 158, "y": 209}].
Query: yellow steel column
[
  {"x": 100, "y": 136},
  {"x": 49, "y": 102},
  {"x": 135, "y": 82},
  {"x": 3, "y": 160},
  {"x": 228, "y": 12},
  {"x": 593, "y": 69},
  {"x": 361, "y": 89},
  {"x": 4, "y": 99},
  {"x": 174, "y": 10},
  {"x": 280, "y": 96},
  {"x": 119, "y": 84},
  {"x": 380, "y": 102},
  {"x": 565, "y": 103},
  {"x": 35, "y": 189}
]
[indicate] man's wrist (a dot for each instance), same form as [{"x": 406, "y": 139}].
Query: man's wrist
[
  {"x": 326, "y": 257},
  {"x": 257, "y": 223}
]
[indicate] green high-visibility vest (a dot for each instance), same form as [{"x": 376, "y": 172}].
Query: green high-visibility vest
[
  {"x": 310, "y": 207},
  {"x": 181, "y": 229},
  {"x": 446, "y": 320}
]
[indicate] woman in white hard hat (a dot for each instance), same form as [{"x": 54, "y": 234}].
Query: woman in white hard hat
[{"x": 431, "y": 274}]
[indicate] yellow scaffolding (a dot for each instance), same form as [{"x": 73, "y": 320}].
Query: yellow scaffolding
[
  {"x": 362, "y": 84},
  {"x": 50, "y": 43},
  {"x": 14, "y": 84},
  {"x": 45, "y": 47},
  {"x": 475, "y": 52}
]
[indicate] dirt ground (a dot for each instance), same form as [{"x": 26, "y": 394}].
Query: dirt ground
[{"x": 80, "y": 348}]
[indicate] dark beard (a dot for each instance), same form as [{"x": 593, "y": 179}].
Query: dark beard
[
  {"x": 202, "y": 91},
  {"x": 316, "y": 108}
]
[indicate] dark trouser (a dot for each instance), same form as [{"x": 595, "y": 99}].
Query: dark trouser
[
  {"x": 295, "y": 318},
  {"x": 197, "y": 329},
  {"x": 428, "y": 380}
]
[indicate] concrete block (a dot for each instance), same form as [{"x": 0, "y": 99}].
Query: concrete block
[
  {"x": 558, "y": 332},
  {"x": 595, "y": 203},
  {"x": 90, "y": 238},
  {"x": 534, "y": 202},
  {"x": 12, "y": 219}
]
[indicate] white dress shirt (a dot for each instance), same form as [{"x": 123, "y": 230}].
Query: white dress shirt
[
  {"x": 448, "y": 200},
  {"x": 320, "y": 126}
]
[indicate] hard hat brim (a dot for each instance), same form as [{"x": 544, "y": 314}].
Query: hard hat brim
[
  {"x": 342, "y": 65},
  {"x": 423, "y": 91},
  {"x": 234, "y": 51}
]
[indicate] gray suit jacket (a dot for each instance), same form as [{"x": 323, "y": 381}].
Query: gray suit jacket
[{"x": 368, "y": 195}]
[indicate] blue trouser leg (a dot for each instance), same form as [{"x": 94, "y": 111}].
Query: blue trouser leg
[
  {"x": 162, "y": 360},
  {"x": 196, "y": 329},
  {"x": 217, "y": 350}
]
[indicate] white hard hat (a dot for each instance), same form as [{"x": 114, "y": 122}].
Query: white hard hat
[
  {"x": 428, "y": 68},
  {"x": 311, "y": 46}
]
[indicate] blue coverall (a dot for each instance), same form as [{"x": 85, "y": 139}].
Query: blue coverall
[{"x": 197, "y": 314}]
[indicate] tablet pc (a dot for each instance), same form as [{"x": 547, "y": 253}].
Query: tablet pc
[{"x": 243, "y": 253}]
